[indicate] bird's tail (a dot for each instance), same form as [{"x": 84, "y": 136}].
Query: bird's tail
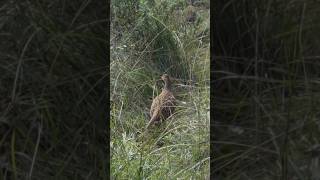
[{"x": 153, "y": 119}]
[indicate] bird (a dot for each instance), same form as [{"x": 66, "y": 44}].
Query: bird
[
  {"x": 190, "y": 12},
  {"x": 163, "y": 105}
]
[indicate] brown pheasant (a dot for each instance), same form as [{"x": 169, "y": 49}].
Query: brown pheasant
[
  {"x": 164, "y": 104},
  {"x": 190, "y": 12}
]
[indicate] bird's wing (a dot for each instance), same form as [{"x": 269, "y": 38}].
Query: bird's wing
[
  {"x": 168, "y": 106},
  {"x": 170, "y": 98}
]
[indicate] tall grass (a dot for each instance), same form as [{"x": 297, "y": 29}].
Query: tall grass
[
  {"x": 158, "y": 42},
  {"x": 53, "y": 73},
  {"x": 266, "y": 90}
]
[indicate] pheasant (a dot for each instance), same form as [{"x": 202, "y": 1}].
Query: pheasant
[
  {"x": 164, "y": 104},
  {"x": 190, "y": 12}
]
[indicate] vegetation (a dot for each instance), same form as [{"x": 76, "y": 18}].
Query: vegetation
[
  {"x": 52, "y": 90},
  {"x": 149, "y": 38},
  {"x": 266, "y": 90}
]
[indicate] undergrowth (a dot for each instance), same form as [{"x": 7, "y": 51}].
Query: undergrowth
[
  {"x": 52, "y": 90},
  {"x": 266, "y": 74},
  {"x": 154, "y": 40}
]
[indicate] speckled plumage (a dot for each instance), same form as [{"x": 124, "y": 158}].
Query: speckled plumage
[
  {"x": 190, "y": 14},
  {"x": 164, "y": 104}
]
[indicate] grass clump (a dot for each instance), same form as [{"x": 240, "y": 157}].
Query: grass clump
[{"x": 155, "y": 44}]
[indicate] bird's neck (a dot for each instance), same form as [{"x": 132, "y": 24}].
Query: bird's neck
[{"x": 167, "y": 85}]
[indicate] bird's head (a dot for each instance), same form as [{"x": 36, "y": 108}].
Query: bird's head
[{"x": 165, "y": 77}]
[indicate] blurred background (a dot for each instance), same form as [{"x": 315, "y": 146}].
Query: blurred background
[
  {"x": 53, "y": 89},
  {"x": 265, "y": 90}
]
